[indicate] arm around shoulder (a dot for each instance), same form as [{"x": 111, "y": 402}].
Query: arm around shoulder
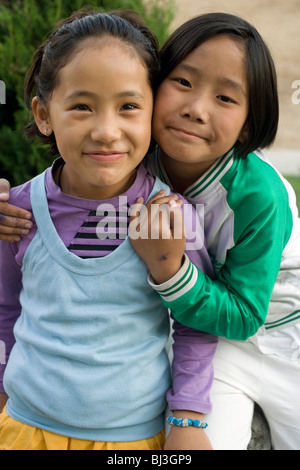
[
  {"x": 14, "y": 221},
  {"x": 235, "y": 305}
]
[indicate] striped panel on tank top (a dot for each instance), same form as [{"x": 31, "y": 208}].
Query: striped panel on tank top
[{"x": 101, "y": 233}]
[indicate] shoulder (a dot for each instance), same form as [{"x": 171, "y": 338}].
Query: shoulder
[
  {"x": 254, "y": 182},
  {"x": 258, "y": 197},
  {"x": 20, "y": 196}
]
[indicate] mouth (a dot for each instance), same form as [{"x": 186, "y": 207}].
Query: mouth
[
  {"x": 188, "y": 135},
  {"x": 105, "y": 156}
]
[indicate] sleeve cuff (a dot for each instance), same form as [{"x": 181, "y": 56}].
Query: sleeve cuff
[
  {"x": 179, "y": 284},
  {"x": 203, "y": 408}
]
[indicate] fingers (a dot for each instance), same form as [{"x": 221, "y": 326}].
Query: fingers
[
  {"x": 160, "y": 218},
  {"x": 14, "y": 222},
  {"x": 14, "y": 212},
  {"x": 14, "y": 229},
  {"x": 10, "y": 238},
  {"x": 10, "y": 225},
  {"x": 162, "y": 198},
  {"x": 176, "y": 221},
  {"x": 4, "y": 189}
]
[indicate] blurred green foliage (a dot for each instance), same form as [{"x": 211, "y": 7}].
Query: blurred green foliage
[
  {"x": 295, "y": 182},
  {"x": 24, "y": 25}
]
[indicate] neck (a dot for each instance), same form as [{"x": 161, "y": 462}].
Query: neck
[
  {"x": 90, "y": 191},
  {"x": 182, "y": 174}
]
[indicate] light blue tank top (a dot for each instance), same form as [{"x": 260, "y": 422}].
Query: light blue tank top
[{"x": 89, "y": 360}]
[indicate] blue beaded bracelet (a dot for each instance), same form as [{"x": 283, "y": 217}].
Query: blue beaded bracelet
[{"x": 184, "y": 422}]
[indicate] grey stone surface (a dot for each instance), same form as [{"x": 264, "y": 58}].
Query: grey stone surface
[{"x": 261, "y": 439}]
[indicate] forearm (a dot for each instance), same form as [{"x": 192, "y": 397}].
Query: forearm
[
  {"x": 192, "y": 369},
  {"x": 189, "y": 397},
  {"x": 215, "y": 307}
]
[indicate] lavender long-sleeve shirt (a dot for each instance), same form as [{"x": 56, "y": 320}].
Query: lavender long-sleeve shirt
[{"x": 75, "y": 220}]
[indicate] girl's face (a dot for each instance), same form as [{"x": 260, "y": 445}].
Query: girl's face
[
  {"x": 202, "y": 106},
  {"x": 100, "y": 113}
]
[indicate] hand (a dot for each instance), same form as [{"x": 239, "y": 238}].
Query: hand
[
  {"x": 157, "y": 234},
  {"x": 4, "y": 189},
  {"x": 14, "y": 221}
]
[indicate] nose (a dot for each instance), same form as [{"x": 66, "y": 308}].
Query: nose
[
  {"x": 196, "y": 110},
  {"x": 106, "y": 129}
]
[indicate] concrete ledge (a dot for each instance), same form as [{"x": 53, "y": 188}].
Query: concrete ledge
[{"x": 261, "y": 439}]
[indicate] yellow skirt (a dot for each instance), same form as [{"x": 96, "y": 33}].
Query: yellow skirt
[{"x": 18, "y": 436}]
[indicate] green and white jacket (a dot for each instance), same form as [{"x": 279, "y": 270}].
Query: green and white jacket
[{"x": 252, "y": 234}]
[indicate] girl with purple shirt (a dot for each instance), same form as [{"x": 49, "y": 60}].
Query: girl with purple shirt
[{"x": 84, "y": 332}]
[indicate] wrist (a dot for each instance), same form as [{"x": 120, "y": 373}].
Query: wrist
[
  {"x": 185, "y": 419},
  {"x": 163, "y": 273}
]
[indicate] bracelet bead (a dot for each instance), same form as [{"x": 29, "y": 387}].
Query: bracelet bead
[{"x": 185, "y": 422}]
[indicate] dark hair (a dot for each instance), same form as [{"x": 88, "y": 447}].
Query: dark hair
[
  {"x": 262, "y": 120},
  {"x": 55, "y": 52}
]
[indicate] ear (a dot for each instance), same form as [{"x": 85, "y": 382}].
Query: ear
[
  {"x": 243, "y": 134},
  {"x": 41, "y": 116}
]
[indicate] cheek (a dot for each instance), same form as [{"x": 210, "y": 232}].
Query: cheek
[
  {"x": 155, "y": 128},
  {"x": 167, "y": 108},
  {"x": 141, "y": 137},
  {"x": 161, "y": 101},
  {"x": 67, "y": 140},
  {"x": 158, "y": 118},
  {"x": 231, "y": 125}
]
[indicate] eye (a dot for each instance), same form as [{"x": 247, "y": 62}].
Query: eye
[
  {"x": 82, "y": 107},
  {"x": 225, "y": 99},
  {"x": 129, "y": 107},
  {"x": 183, "y": 82}
]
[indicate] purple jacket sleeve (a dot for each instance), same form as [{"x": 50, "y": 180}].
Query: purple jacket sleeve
[
  {"x": 193, "y": 351},
  {"x": 11, "y": 280},
  {"x": 192, "y": 369},
  {"x": 10, "y": 309}
]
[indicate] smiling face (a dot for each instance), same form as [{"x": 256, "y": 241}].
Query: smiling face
[
  {"x": 100, "y": 113},
  {"x": 202, "y": 106}
]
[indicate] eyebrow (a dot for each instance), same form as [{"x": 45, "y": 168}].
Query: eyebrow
[
  {"x": 223, "y": 81},
  {"x": 80, "y": 93},
  {"x": 233, "y": 84},
  {"x": 133, "y": 93},
  {"x": 88, "y": 94}
]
